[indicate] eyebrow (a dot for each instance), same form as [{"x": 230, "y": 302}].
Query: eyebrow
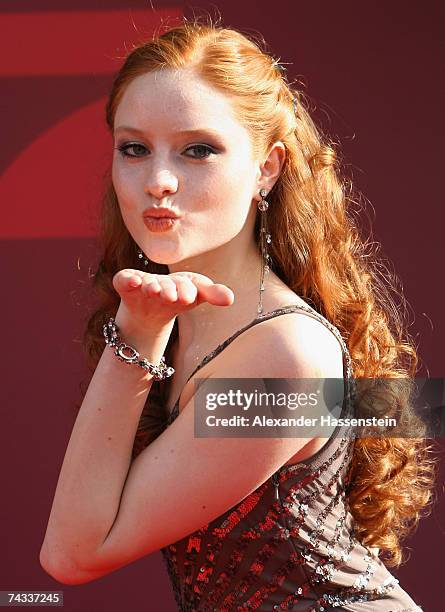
[{"x": 195, "y": 132}]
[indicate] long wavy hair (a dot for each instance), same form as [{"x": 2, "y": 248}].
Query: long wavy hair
[{"x": 318, "y": 252}]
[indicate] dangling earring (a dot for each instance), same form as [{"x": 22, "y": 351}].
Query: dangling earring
[
  {"x": 265, "y": 239},
  {"x": 142, "y": 256}
]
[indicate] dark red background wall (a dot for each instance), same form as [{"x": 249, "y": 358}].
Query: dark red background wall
[{"x": 374, "y": 73}]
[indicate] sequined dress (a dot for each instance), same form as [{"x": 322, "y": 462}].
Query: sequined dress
[{"x": 290, "y": 544}]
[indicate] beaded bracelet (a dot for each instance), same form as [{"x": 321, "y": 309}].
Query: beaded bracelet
[{"x": 159, "y": 372}]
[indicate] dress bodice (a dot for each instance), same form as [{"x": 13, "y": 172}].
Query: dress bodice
[{"x": 290, "y": 544}]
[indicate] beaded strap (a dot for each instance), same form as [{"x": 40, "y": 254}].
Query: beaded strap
[
  {"x": 349, "y": 378},
  {"x": 322, "y": 319}
]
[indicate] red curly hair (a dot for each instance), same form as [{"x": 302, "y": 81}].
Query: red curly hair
[{"x": 318, "y": 253}]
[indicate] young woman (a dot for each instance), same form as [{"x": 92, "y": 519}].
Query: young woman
[{"x": 228, "y": 248}]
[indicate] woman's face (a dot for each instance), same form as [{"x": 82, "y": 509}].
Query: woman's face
[{"x": 209, "y": 177}]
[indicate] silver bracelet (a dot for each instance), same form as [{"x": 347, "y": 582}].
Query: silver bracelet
[{"x": 111, "y": 334}]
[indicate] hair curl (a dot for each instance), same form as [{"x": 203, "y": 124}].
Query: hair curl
[{"x": 317, "y": 252}]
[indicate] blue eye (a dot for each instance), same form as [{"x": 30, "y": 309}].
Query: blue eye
[
  {"x": 204, "y": 148},
  {"x": 131, "y": 145}
]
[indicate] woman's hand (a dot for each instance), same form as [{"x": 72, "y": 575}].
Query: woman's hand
[{"x": 149, "y": 300}]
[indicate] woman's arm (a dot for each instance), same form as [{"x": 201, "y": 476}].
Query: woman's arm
[
  {"x": 204, "y": 477},
  {"x": 98, "y": 455}
]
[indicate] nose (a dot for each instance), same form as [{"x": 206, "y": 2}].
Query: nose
[{"x": 160, "y": 183}]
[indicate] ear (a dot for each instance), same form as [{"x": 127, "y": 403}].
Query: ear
[{"x": 270, "y": 169}]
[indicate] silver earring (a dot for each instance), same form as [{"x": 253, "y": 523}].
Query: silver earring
[
  {"x": 142, "y": 256},
  {"x": 265, "y": 239}
]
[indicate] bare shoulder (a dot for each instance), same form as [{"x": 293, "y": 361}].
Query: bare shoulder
[{"x": 291, "y": 344}]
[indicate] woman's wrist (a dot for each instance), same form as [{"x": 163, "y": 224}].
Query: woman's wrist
[
  {"x": 149, "y": 342},
  {"x": 134, "y": 330}
]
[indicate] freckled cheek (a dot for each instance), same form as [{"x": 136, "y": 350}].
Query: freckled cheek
[
  {"x": 125, "y": 186},
  {"x": 220, "y": 195},
  {"x": 234, "y": 194}
]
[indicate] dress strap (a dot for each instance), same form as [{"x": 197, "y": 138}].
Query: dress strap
[{"x": 275, "y": 313}]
